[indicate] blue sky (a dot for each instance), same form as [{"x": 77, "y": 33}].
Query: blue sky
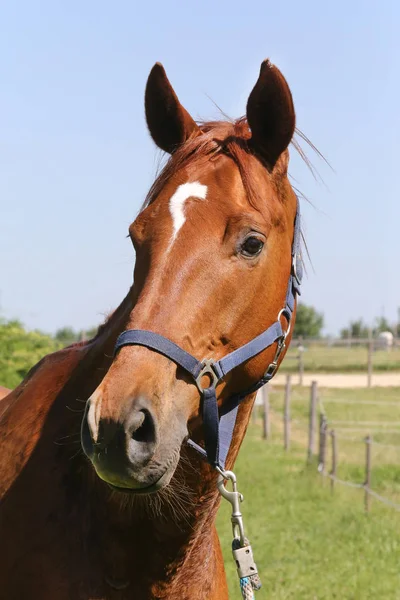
[{"x": 76, "y": 159}]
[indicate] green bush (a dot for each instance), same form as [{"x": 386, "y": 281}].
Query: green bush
[{"x": 20, "y": 350}]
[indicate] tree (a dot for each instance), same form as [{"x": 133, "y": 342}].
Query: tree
[
  {"x": 66, "y": 336},
  {"x": 309, "y": 322},
  {"x": 356, "y": 329},
  {"x": 381, "y": 324},
  {"x": 20, "y": 350}
]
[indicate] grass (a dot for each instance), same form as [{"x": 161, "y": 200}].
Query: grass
[
  {"x": 309, "y": 543},
  {"x": 330, "y": 359}
]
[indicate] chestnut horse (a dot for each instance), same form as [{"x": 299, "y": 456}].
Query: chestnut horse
[{"x": 213, "y": 257}]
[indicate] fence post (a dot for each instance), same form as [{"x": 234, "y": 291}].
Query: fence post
[
  {"x": 266, "y": 421},
  {"x": 323, "y": 426},
  {"x": 254, "y": 411},
  {"x": 286, "y": 413},
  {"x": 349, "y": 338},
  {"x": 301, "y": 364},
  {"x": 367, "y": 484},
  {"x": 370, "y": 352},
  {"x": 311, "y": 424},
  {"x": 334, "y": 460}
]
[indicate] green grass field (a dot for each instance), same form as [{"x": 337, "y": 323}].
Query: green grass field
[
  {"x": 309, "y": 543},
  {"x": 324, "y": 359}
]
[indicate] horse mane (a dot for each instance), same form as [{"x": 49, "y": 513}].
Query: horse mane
[{"x": 218, "y": 137}]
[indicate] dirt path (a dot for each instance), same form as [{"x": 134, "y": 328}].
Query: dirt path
[{"x": 345, "y": 380}]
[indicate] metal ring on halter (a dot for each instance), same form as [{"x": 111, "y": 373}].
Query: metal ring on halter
[
  {"x": 288, "y": 317},
  {"x": 207, "y": 369}
]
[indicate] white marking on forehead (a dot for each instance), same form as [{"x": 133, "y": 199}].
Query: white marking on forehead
[{"x": 177, "y": 203}]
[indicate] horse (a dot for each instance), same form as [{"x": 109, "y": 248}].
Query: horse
[{"x": 132, "y": 516}]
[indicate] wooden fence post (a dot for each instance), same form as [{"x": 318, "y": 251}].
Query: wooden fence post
[
  {"x": 367, "y": 484},
  {"x": 370, "y": 353},
  {"x": 254, "y": 411},
  {"x": 311, "y": 424},
  {"x": 301, "y": 364},
  {"x": 266, "y": 421},
  {"x": 323, "y": 426},
  {"x": 286, "y": 413},
  {"x": 349, "y": 338},
  {"x": 334, "y": 460}
]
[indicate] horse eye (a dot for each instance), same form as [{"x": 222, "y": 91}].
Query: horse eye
[{"x": 252, "y": 246}]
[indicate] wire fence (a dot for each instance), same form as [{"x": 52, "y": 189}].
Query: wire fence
[
  {"x": 368, "y": 356},
  {"x": 327, "y": 444}
]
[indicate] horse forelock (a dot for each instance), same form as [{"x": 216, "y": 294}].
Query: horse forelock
[{"x": 217, "y": 138}]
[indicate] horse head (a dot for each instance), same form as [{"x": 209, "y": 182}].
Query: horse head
[{"x": 213, "y": 257}]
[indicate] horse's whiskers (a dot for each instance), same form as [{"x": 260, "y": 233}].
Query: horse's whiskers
[
  {"x": 77, "y": 453},
  {"x": 75, "y": 410},
  {"x": 71, "y": 439}
]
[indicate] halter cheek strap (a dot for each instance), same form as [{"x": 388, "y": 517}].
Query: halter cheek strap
[{"x": 219, "y": 425}]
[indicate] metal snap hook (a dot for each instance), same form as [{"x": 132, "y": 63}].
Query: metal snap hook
[{"x": 235, "y": 498}]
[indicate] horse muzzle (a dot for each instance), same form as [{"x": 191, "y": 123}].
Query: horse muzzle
[{"x": 127, "y": 453}]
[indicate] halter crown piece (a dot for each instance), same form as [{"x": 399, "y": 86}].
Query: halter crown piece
[{"x": 218, "y": 428}]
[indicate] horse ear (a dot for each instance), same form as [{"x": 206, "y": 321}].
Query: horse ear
[
  {"x": 170, "y": 125},
  {"x": 270, "y": 114}
]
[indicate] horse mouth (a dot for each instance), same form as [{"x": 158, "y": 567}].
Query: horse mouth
[{"x": 155, "y": 487}]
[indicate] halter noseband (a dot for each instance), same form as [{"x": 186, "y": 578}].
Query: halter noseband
[{"x": 218, "y": 430}]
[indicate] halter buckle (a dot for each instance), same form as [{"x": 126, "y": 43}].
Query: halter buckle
[
  {"x": 297, "y": 272},
  {"x": 272, "y": 367},
  {"x": 281, "y": 344},
  {"x": 207, "y": 369}
]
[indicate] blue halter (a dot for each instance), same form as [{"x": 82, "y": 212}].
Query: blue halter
[{"x": 218, "y": 428}]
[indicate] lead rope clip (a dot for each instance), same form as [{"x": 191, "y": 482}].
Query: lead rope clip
[{"x": 241, "y": 549}]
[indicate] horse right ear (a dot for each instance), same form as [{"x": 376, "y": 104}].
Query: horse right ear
[
  {"x": 270, "y": 114},
  {"x": 170, "y": 125}
]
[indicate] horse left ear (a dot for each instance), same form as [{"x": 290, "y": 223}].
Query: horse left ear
[
  {"x": 270, "y": 114},
  {"x": 169, "y": 123}
]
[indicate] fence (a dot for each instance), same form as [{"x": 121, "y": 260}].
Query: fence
[
  {"x": 332, "y": 355},
  {"x": 323, "y": 440}
]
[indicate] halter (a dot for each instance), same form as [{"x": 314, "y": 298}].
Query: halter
[{"x": 218, "y": 429}]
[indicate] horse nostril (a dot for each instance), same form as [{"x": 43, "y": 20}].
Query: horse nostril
[{"x": 142, "y": 427}]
